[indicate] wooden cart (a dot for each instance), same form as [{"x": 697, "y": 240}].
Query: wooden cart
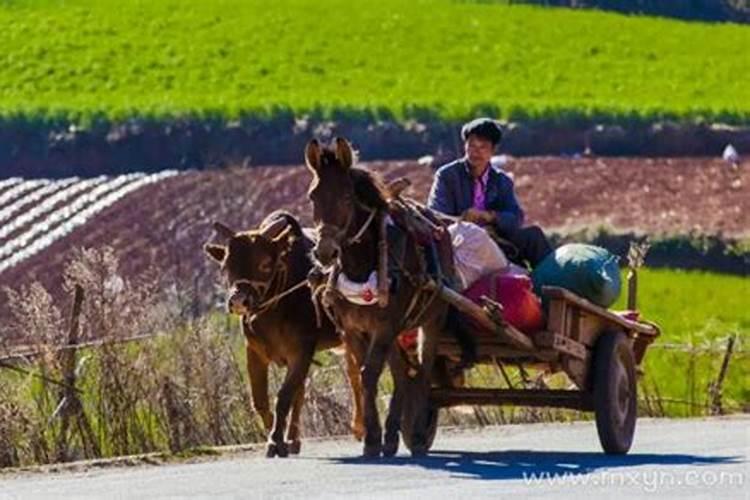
[{"x": 599, "y": 350}]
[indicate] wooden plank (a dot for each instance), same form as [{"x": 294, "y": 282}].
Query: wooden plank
[
  {"x": 487, "y": 350},
  {"x": 556, "y": 319},
  {"x": 446, "y": 397},
  {"x": 560, "y": 293},
  {"x": 507, "y": 333},
  {"x": 560, "y": 343}
]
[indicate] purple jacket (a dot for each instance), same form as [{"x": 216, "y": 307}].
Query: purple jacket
[{"x": 452, "y": 193}]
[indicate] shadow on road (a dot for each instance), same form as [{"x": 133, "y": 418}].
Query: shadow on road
[{"x": 522, "y": 464}]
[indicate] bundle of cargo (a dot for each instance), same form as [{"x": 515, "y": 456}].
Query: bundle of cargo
[
  {"x": 586, "y": 270},
  {"x": 484, "y": 271}
]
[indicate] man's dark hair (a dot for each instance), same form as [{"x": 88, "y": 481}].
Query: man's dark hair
[{"x": 486, "y": 128}]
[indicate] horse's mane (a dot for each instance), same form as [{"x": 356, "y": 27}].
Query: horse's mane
[{"x": 369, "y": 188}]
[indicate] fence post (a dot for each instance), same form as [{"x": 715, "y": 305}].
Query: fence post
[
  {"x": 70, "y": 404},
  {"x": 715, "y": 389}
]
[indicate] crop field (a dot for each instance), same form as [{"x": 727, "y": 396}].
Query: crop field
[{"x": 91, "y": 60}]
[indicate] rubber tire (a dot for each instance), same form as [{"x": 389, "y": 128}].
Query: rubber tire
[
  {"x": 431, "y": 429},
  {"x": 615, "y": 395}
]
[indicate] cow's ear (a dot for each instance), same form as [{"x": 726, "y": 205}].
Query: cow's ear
[
  {"x": 312, "y": 155},
  {"x": 223, "y": 231},
  {"x": 216, "y": 252},
  {"x": 344, "y": 153}
]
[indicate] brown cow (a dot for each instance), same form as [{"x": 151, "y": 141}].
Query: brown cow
[{"x": 260, "y": 266}]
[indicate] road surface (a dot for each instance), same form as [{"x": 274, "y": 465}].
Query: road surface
[{"x": 705, "y": 458}]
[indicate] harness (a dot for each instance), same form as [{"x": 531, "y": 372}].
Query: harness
[
  {"x": 326, "y": 293},
  {"x": 263, "y": 288}
]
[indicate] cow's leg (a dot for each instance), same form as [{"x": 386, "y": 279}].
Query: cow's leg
[
  {"x": 257, "y": 371},
  {"x": 295, "y": 426},
  {"x": 370, "y": 376},
  {"x": 353, "y": 356},
  {"x": 293, "y": 382}
]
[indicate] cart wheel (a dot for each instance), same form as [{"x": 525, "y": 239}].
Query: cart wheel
[
  {"x": 615, "y": 396},
  {"x": 430, "y": 433}
]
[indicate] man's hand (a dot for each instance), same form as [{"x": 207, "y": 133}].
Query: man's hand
[{"x": 478, "y": 216}]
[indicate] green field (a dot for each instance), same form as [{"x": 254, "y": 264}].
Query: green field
[
  {"x": 700, "y": 310},
  {"x": 79, "y": 59}
]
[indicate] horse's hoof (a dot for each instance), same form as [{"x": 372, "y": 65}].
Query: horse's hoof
[
  {"x": 271, "y": 450},
  {"x": 418, "y": 450},
  {"x": 295, "y": 447},
  {"x": 390, "y": 448},
  {"x": 372, "y": 450}
]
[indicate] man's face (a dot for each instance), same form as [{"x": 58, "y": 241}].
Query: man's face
[{"x": 479, "y": 153}]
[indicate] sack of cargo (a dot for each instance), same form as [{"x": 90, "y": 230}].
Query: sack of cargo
[
  {"x": 586, "y": 270},
  {"x": 521, "y": 308},
  {"x": 475, "y": 253}
]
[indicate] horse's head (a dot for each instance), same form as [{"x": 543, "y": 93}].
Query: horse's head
[
  {"x": 332, "y": 195},
  {"x": 252, "y": 262}
]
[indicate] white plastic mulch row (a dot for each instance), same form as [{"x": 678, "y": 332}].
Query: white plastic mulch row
[
  {"x": 21, "y": 189},
  {"x": 10, "y": 181},
  {"x": 25, "y": 201},
  {"x": 64, "y": 220}
]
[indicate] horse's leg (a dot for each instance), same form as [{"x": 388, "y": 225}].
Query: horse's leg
[
  {"x": 294, "y": 431},
  {"x": 420, "y": 385},
  {"x": 257, "y": 371},
  {"x": 354, "y": 360},
  {"x": 370, "y": 375},
  {"x": 294, "y": 380},
  {"x": 397, "y": 366}
]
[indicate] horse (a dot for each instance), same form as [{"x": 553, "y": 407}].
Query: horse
[
  {"x": 349, "y": 207},
  {"x": 266, "y": 270}
]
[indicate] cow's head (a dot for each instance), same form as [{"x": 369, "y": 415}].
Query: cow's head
[{"x": 254, "y": 263}]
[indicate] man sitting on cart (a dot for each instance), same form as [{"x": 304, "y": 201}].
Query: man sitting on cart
[{"x": 477, "y": 192}]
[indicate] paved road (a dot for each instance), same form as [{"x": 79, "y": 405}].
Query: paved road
[{"x": 670, "y": 458}]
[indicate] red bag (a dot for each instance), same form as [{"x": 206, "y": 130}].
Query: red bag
[{"x": 521, "y": 307}]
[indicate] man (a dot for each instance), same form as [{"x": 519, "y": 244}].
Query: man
[{"x": 471, "y": 188}]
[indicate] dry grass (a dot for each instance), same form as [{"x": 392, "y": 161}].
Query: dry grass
[{"x": 184, "y": 386}]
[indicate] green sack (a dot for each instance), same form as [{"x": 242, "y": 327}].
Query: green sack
[{"x": 586, "y": 270}]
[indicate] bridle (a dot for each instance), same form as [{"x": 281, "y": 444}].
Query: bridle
[
  {"x": 263, "y": 288},
  {"x": 337, "y": 234}
]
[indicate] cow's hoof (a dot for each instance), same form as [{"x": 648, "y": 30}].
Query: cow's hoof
[
  {"x": 277, "y": 450},
  {"x": 390, "y": 448},
  {"x": 372, "y": 450},
  {"x": 359, "y": 431},
  {"x": 295, "y": 447}
]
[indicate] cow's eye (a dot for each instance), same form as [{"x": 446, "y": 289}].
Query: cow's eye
[{"x": 265, "y": 265}]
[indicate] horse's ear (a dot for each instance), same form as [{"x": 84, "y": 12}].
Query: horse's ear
[
  {"x": 397, "y": 186},
  {"x": 312, "y": 155},
  {"x": 272, "y": 230},
  {"x": 216, "y": 252},
  {"x": 223, "y": 230},
  {"x": 344, "y": 152}
]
